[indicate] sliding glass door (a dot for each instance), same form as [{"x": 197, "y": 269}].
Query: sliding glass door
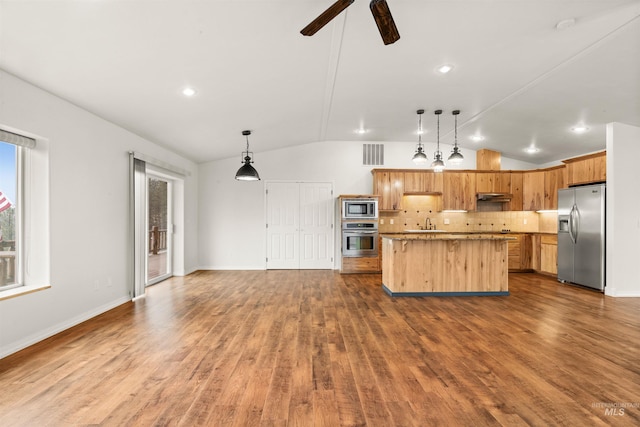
[{"x": 159, "y": 228}]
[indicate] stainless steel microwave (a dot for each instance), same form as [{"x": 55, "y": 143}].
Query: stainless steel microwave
[{"x": 364, "y": 208}]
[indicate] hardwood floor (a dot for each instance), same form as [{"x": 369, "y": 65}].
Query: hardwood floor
[{"x": 314, "y": 348}]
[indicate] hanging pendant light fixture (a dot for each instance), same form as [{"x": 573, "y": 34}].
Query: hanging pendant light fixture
[
  {"x": 438, "y": 163},
  {"x": 419, "y": 158},
  {"x": 246, "y": 171},
  {"x": 456, "y": 156}
]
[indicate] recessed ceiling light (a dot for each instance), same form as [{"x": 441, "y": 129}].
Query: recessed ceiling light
[
  {"x": 444, "y": 69},
  {"x": 579, "y": 129},
  {"x": 477, "y": 138},
  {"x": 188, "y": 91},
  {"x": 532, "y": 149}
]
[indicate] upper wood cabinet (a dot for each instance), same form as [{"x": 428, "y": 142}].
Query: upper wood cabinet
[
  {"x": 554, "y": 179},
  {"x": 533, "y": 190},
  {"x": 516, "y": 180},
  {"x": 587, "y": 169},
  {"x": 488, "y": 160},
  {"x": 389, "y": 185},
  {"x": 459, "y": 191},
  {"x": 422, "y": 182},
  {"x": 487, "y": 182}
]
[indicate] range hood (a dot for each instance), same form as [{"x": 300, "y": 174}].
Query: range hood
[{"x": 494, "y": 197}]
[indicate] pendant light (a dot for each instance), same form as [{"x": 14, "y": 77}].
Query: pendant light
[
  {"x": 246, "y": 171},
  {"x": 438, "y": 163},
  {"x": 456, "y": 156},
  {"x": 419, "y": 158}
]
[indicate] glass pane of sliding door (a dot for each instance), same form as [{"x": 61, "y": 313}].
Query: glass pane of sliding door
[{"x": 159, "y": 229}]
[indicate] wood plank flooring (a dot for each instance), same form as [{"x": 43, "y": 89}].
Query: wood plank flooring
[{"x": 314, "y": 348}]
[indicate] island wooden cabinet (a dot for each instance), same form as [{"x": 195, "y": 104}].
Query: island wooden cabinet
[
  {"x": 587, "y": 169},
  {"x": 533, "y": 190},
  {"x": 459, "y": 191},
  {"x": 389, "y": 185}
]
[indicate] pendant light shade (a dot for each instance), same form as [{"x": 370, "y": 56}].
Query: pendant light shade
[
  {"x": 420, "y": 158},
  {"x": 246, "y": 171},
  {"x": 456, "y": 156},
  {"x": 438, "y": 164}
]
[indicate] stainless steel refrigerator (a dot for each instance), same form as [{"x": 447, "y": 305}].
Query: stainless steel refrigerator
[{"x": 581, "y": 235}]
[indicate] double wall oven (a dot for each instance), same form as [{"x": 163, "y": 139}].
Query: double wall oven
[{"x": 359, "y": 227}]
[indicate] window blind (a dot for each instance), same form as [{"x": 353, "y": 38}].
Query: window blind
[{"x": 15, "y": 139}]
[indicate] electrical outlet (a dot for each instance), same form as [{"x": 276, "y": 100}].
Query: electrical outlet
[
  {"x": 381, "y": 221},
  {"x": 525, "y": 221},
  {"x": 391, "y": 221},
  {"x": 446, "y": 221}
]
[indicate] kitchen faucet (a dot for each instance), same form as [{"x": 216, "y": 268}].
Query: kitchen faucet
[{"x": 428, "y": 225}]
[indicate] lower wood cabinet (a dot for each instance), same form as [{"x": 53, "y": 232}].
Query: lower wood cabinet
[
  {"x": 520, "y": 253},
  {"x": 351, "y": 265},
  {"x": 549, "y": 254}
]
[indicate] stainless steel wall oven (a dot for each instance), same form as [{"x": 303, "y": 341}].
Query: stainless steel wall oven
[{"x": 360, "y": 239}]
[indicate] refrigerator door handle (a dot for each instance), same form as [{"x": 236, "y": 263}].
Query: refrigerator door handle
[{"x": 573, "y": 226}]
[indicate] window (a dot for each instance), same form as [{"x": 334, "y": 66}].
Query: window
[
  {"x": 9, "y": 223},
  {"x": 24, "y": 220}
]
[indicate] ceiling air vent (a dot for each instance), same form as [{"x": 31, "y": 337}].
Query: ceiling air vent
[{"x": 373, "y": 154}]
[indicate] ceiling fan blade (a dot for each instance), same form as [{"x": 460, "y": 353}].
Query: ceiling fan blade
[
  {"x": 384, "y": 21},
  {"x": 326, "y": 16}
]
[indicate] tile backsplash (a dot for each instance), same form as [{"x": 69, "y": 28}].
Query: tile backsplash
[{"x": 416, "y": 210}]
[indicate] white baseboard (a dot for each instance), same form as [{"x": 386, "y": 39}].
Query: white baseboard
[{"x": 51, "y": 331}]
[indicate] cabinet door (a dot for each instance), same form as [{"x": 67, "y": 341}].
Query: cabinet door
[
  {"x": 415, "y": 182},
  {"x": 459, "y": 191},
  {"x": 422, "y": 182},
  {"x": 516, "y": 179},
  {"x": 487, "y": 182},
  {"x": 433, "y": 182},
  {"x": 589, "y": 170},
  {"x": 549, "y": 254},
  {"x": 513, "y": 247},
  {"x": 533, "y": 191},
  {"x": 390, "y": 187},
  {"x": 553, "y": 181}
]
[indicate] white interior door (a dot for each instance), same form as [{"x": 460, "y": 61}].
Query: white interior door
[
  {"x": 283, "y": 220},
  {"x": 316, "y": 226},
  {"x": 300, "y": 225}
]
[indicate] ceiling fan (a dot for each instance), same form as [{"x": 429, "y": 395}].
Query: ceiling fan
[{"x": 379, "y": 9}]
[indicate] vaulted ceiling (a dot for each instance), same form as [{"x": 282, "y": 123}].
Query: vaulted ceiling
[{"x": 518, "y": 80}]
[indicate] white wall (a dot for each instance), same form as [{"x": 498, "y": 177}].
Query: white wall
[
  {"x": 232, "y": 213},
  {"x": 90, "y": 268},
  {"x": 623, "y": 210}
]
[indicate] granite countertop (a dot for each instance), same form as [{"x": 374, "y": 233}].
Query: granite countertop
[
  {"x": 392, "y": 233},
  {"x": 443, "y": 236}
]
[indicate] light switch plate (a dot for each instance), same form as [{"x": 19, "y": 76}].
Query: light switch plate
[{"x": 446, "y": 221}]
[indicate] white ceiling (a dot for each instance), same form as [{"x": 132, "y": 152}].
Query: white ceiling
[{"x": 517, "y": 80}]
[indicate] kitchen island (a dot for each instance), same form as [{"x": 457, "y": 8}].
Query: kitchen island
[{"x": 444, "y": 265}]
